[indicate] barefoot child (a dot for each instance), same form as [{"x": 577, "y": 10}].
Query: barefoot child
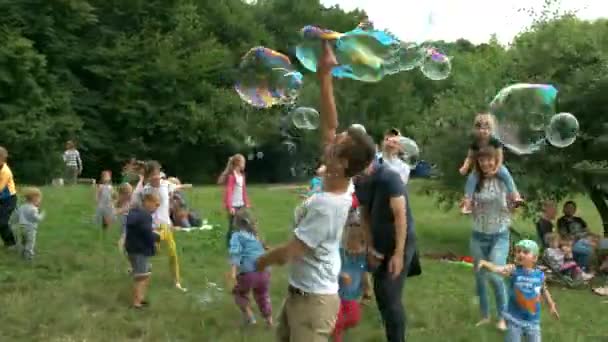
[
  {"x": 484, "y": 126},
  {"x": 354, "y": 266},
  {"x": 104, "y": 196},
  {"x": 245, "y": 248},
  {"x": 140, "y": 244},
  {"x": 526, "y": 284},
  {"x": 28, "y": 216}
]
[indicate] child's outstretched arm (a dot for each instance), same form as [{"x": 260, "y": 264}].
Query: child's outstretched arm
[
  {"x": 466, "y": 165},
  {"x": 505, "y": 270},
  {"x": 329, "y": 113},
  {"x": 550, "y": 302}
]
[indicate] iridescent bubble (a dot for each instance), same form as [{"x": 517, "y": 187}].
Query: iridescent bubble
[
  {"x": 436, "y": 66},
  {"x": 267, "y": 78},
  {"x": 408, "y": 57},
  {"x": 305, "y": 118},
  {"x": 522, "y": 113},
  {"x": 260, "y": 155},
  {"x": 562, "y": 130},
  {"x": 250, "y": 156},
  {"x": 361, "y": 53},
  {"x": 409, "y": 151}
]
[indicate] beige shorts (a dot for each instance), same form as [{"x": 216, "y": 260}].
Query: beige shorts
[{"x": 308, "y": 317}]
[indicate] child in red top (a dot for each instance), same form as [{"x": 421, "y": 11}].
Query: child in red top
[{"x": 235, "y": 190}]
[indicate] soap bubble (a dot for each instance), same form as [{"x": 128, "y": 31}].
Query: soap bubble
[
  {"x": 408, "y": 57},
  {"x": 562, "y": 130},
  {"x": 522, "y": 113},
  {"x": 260, "y": 155},
  {"x": 250, "y": 142},
  {"x": 267, "y": 78},
  {"x": 358, "y": 127},
  {"x": 436, "y": 66},
  {"x": 409, "y": 151},
  {"x": 250, "y": 156},
  {"x": 305, "y": 118}
]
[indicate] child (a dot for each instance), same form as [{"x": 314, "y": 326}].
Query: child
[
  {"x": 526, "y": 285},
  {"x": 123, "y": 204},
  {"x": 235, "y": 191},
  {"x": 104, "y": 196},
  {"x": 73, "y": 163},
  {"x": 180, "y": 214},
  {"x": 162, "y": 215},
  {"x": 316, "y": 183},
  {"x": 559, "y": 257},
  {"x": 544, "y": 225},
  {"x": 245, "y": 248},
  {"x": 354, "y": 266},
  {"x": 484, "y": 126},
  {"x": 28, "y": 216},
  {"x": 140, "y": 245}
]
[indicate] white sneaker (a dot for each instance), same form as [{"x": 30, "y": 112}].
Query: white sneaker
[{"x": 587, "y": 276}]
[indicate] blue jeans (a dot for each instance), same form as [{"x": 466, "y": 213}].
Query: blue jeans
[
  {"x": 503, "y": 174},
  {"x": 581, "y": 252},
  {"x": 495, "y": 249},
  {"x": 515, "y": 333}
]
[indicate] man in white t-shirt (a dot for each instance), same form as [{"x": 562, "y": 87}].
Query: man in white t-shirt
[{"x": 311, "y": 308}]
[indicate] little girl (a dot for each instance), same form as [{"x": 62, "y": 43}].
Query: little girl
[
  {"x": 235, "y": 191},
  {"x": 354, "y": 266},
  {"x": 104, "y": 196},
  {"x": 245, "y": 248},
  {"x": 485, "y": 125},
  {"x": 526, "y": 284},
  {"x": 559, "y": 256}
]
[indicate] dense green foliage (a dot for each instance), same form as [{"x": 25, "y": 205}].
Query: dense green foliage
[{"x": 153, "y": 79}]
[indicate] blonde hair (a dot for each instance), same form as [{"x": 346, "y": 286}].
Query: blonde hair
[
  {"x": 31, "y": 193},
  {"x": 151, "y": 197},
  {"x": 125, "y": 188},
  {"x": 230, "y": 166},
  {"x": 174, "y": 180},
  {"x": 486, "y": 118},
  {"x": 3, "y": 153},
  {"x": 551, "y": 238}
]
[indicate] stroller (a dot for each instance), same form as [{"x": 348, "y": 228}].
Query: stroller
[{"x": 552, "y": 275}]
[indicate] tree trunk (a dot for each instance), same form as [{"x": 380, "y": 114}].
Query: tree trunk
[{"x": 598, "y": 197}]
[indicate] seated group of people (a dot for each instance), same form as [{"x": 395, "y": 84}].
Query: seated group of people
[{"x": 572, "y": 249}]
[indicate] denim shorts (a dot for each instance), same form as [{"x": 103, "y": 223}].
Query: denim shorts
[{"x": 140, "y": 265}]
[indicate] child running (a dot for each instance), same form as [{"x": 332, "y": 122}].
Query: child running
[
  {"x": 354, "y": 266},
  {"x": 104, "y": 197},
  {"x": 235, "y": 191},
  {"x": 526, "y": 285},
  {"x": 485, "y": 125},
  {"x": 140, "y": 245},
  {"x": 162, "y": 215},
  {"x": 28, "y": 216},
  {"x": 245, "y": 248}
]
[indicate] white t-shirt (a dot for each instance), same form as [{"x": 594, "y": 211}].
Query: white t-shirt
[
  {"x": 399, "y": 166},
  {"x": 162, "y": 214},
  {"x": 319, "y": 225},
  {"x": 237, "y": 192}
]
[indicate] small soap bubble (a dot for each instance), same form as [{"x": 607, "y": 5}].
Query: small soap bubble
[
  {"x": 409, "y": 151},
  {"x": 305, "y": 118},
  {"x": 267, "y": 78},
  {"x": 436, "y": 66},
  {"x": 260, "y": 155},
  {"x": 250, "y": 156},
  {"x": 562, "y": 130}
]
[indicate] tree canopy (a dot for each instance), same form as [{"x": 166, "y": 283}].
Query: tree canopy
[{"x": 153, "y": 79}]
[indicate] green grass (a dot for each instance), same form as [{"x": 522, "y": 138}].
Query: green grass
[{"x": 77, "y": 288}]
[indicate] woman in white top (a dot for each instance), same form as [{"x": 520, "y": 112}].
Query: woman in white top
[{"x": 490, "y": 236}]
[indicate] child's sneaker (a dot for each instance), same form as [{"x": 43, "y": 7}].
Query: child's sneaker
[
  {"x": 249, "y": 320},
  {"x": 587, "y": 276}
]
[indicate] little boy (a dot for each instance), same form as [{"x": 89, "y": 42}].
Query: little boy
[
  {"x": 526, "y": 284},
  {"x": 28, "y": 216},
  {"x": 140, "y": 245}
]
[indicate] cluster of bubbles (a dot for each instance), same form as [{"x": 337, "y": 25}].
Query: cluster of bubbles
[
  {"x": 526, "y": 118},
  {"x": 368, "y": 55},
  {"x": 409, "y": 151},
  {"x": 257, "y": 155}
]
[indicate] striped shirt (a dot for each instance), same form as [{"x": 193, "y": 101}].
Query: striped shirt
[{"x": 71, "y": 158}]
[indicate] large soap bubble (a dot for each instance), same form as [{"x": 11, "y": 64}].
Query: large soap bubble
[
  {"x": 522, "y": 112},
  {"x": 305, "y": 118},
  {"x": 435, "y": 65},
  {"x": 562, "y": 130},
  {"x": 409, "y": 56},
  {"x": 267, "y": 78},
  {"x": 409, "y": 151}
]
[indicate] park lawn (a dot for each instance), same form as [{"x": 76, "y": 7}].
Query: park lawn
[{"x": 77, "y": 289}]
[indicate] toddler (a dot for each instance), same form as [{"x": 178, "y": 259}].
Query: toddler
[
  {"x": 104, "y": 197},
  {"x": 245, "y": 248},
  {"x": 484, "y": 126},
  {"x": 354, "y": 266},
  {"x": 559, "y": 257},
  {"x": 526, "y": 285},
  {"x": 28, "y": 216},
  {"x": 140, "y": 244}
]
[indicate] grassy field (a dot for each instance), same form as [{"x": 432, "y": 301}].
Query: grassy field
[{"x": 77, "y": 288}]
